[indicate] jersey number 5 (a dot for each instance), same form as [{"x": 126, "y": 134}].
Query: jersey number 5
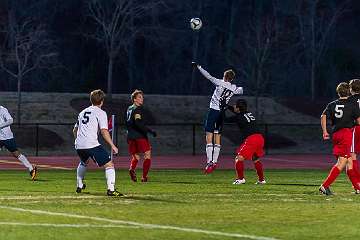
[
  {"x": 339, "y": 111},
  {"x": 86, "y": 118}
]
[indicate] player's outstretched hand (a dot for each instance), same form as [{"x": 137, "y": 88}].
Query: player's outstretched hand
[
  {"x": 115, "y": 149},
  {"x": 194, "y": 64}
]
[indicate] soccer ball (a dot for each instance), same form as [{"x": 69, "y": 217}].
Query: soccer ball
[{"x": 195, "y": 23}]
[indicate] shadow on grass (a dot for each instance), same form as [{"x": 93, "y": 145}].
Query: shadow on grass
[{"x": 293, "y": 184}]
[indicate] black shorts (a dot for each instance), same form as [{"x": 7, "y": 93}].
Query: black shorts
[
  {"x": 214, "y": 121},
  {"x": 98, "y": 154},
  {"x": 9, "y": 144}
]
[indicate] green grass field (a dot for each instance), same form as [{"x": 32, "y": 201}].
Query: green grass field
[{"x": 177, "y": 204}]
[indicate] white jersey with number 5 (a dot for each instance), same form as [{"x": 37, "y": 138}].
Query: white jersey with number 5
[
  {"x": 223, "y": 91},
  {"x": 5, "y": 121},
  {"x": 90, "y": 120}
]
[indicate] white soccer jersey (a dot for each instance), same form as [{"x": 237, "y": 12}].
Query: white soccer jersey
[
  {"x": 90, "y": 120},
  {"x": 5, "y": 121},
  {"x": 223, "y": 91}
]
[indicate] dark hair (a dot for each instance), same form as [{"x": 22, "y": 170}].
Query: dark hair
[
  {"x": 97, "y": 96},
  {"x": 135, "y": 93},
  {"x": 355, "y": 85},
  {"x": 241, "y": 104},
  {"x": 343, "y": 89}
]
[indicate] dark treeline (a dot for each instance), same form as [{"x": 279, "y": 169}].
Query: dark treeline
[{"x": 277, "y": 47}]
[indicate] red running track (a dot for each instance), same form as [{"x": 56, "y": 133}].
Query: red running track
[{"x": 294, "y": 161}]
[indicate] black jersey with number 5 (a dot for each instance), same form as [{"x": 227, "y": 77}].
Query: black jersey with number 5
[{"x": 342, "y": 113}]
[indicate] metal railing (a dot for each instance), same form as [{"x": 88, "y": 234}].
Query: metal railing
[{"x": 174, "y": 138}]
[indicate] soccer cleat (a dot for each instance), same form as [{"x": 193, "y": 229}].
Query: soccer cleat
[
  {"x": 33, "y": 173},
  {"x": 132, "y": 175},
  {"x": 261, "y": 182},
  {"x": 78, "y": 189},
  {"x": 114, "y": 193},
  {"x": 144, "y": 179},
  {"x": 239, "y": 181},
  {"x": 357, "y": 191},
  {"x": 210, "y": 167},
  {"x": 324, "y": 190}
]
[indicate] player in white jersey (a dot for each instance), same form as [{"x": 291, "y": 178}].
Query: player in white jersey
[
  {"x": 213, "y": 125},
  {"x": 87, "y": 146},
  {"x": 7, "y": 140}
]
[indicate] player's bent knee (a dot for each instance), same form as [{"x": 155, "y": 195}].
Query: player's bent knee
[
  {"x": 109, "y": 164},
  {"x": 147, "y": 155}
]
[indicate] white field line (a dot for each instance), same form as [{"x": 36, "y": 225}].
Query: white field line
[
  {"x": 140, "y": 225},
  {"x": 59, "y": 225},
  {"x": 38, "y": 165},
  {"x": 48, "y": 197}
]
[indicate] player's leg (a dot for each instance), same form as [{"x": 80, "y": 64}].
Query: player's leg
[
  {"x": 84, "y": 155},
  {"x": 352, "y": 175},
  {"x": 10, "y": 145},
  {"x": 239, "y": 168},
  {"x": 102, "y": 158},
  {"x": 146, "y": 166},
  {"x": 135, "y": 158},
  {"x": 217, "y": 137},
  {"x": 334, "y": 173},
  {"x": 259, "y": 170},
  {"x": 210, "y": 125},
  {"x": 258, "y": 148}
]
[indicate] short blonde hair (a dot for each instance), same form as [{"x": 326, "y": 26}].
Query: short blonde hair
[
  {"x": 97, "y": 96},
  {"x": 135, "y": 93},
  {"x": 229, "y": 74}
]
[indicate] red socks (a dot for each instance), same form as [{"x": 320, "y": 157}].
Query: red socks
[
  {"x": 146, "y": 167},
  {"x": 133, "y": 163},
  {"x": 356, "y": 169},
  {"x": 353, "y": 178},
  {"x": 239, "y": 166},
  {"x": 334, "y": 173},
  {"x": 259, "y": 170}
]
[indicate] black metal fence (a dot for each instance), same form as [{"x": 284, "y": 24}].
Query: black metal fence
[{"x": 42, "y": 139}]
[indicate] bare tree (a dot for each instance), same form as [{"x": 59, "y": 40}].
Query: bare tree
[
  {"x": 26, "y": 47},
  {"x": 116, "y": 27},
  {"x": 317, "y": 25}
]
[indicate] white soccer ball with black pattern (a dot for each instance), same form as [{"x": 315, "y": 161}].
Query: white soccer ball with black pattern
[{"x": 195, "y": 24}]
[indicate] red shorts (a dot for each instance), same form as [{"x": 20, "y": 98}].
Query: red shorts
[
  {"x": 342, "y": 142},
  {"x": 139, "y": 145},
  {"x": 252, "y": 146},
  {"x": 355, "y": 146}
]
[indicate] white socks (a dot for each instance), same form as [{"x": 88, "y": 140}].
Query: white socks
[
  {"x": 26, "y": 163},
  {"x": 80, "y": 174},
  {"x": 209, "y": 152},
  {"x": 110, "y": 178},
  {"x": 217, "y": 148}
]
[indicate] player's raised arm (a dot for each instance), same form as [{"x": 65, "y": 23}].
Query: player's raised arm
[
  {"x": 7, "y": 119},
  {"x": 216, "y": 81}
]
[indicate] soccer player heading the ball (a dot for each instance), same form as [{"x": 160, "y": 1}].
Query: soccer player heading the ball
[
  {"x": 137, "y": 138},
  {"x": 252, "y": 142},
  {"x": 87, "y": 146},
  {"x": 214, "y": 122},
  {"x": 7, "y": 140}
]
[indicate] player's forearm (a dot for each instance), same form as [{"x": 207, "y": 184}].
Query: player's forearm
[
  {"x": 106, "y": 135},
  {"x": 7, "y": 123},
  {"x": 75, "y": 132},
  {"x": 323, "y": 123},
  {"x": 208, "y": 76}
]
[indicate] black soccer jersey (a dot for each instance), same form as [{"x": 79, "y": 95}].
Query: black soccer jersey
[
  {"x": 342, "y": 113},
  {"x": 246, "y": 123},
  {"x": 135, "y": 123},
  {"x": 355, "y": 99}
]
